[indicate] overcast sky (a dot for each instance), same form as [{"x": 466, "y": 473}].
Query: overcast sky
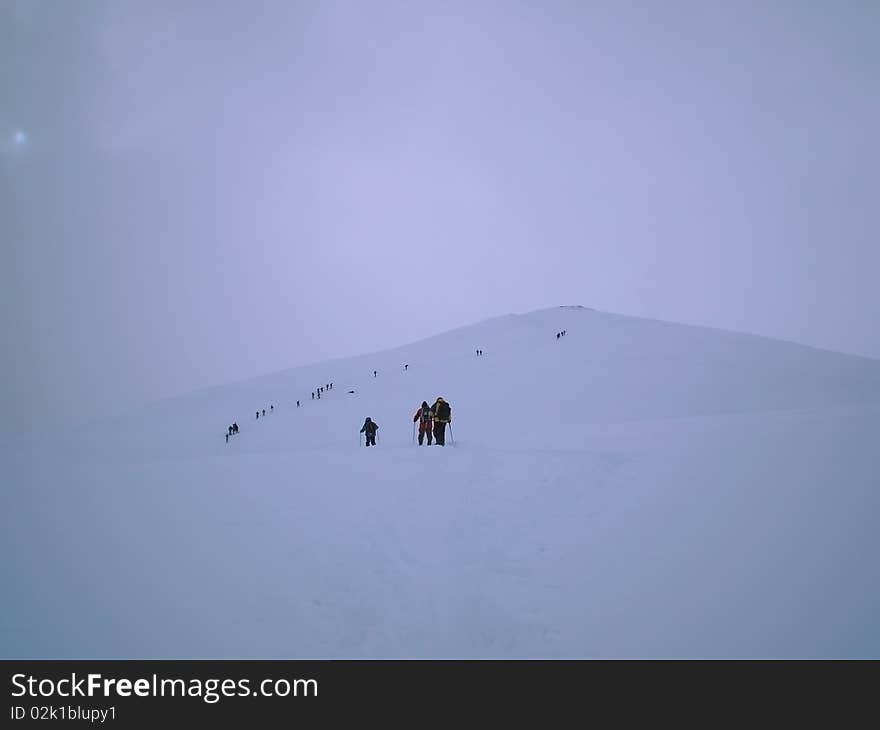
[{"x": 193, "y": 193}]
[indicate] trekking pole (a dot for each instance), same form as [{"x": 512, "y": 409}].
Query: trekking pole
[
  {"x": 451, "y": 439},
  {"x": 359, "y": 440},
  {"x": 414, "y": 432}
]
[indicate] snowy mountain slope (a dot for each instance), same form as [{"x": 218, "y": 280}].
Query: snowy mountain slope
[{"x": 636, "y": 488}]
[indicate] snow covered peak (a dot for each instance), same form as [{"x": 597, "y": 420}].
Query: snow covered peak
[{"x": 630, "y": 488}]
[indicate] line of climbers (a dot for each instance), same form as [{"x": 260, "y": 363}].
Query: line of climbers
[
  {"x": 317, "y": 392},
  {"x": 432, "y": 420},
  {"x": 231, "y": 430}
]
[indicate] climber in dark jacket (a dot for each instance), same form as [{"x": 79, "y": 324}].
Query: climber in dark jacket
[
  {"x": 442, "y": 416},
  {"x": 369, "y": 430}
]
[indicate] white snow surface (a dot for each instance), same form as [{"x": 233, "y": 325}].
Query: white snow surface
[{"x": 633, "y": 489}]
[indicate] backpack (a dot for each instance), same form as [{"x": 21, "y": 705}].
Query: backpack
[
  {"x": 426, "y": 414},
  {"x": 442, "y": 411}
]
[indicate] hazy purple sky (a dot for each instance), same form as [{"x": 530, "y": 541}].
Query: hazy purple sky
[{"x": 194, "y": 193}]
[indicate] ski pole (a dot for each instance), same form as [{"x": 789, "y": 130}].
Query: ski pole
[
  {"x": 450, "y": 432},
  {"x": 414, "y": 432}
]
